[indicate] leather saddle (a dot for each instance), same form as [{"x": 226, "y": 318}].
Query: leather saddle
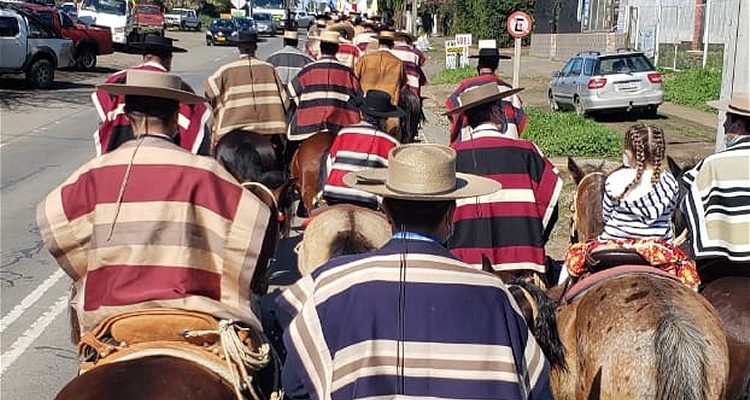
[{"x": 600, "y": 260}]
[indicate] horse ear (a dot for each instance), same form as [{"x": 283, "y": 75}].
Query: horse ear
[
  {"x": 674, "y": 168},
  {"x": 575, "y": 171}
]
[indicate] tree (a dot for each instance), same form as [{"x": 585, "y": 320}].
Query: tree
[{"x": 486, "y": 19}]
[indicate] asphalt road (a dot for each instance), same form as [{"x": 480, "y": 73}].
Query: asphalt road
[{"x": 44, "y": 136}]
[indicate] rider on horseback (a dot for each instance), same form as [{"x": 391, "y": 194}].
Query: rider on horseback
[
  {"x": 289, "y": 60},
  {"x": 716, "y": 205},
  {"x": 359, "y": 146}
]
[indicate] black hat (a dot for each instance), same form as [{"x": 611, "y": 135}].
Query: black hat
[
  {"x": 239, "y": 38},
  {"x": 485, "y": 52},
  {"x": 378, "y": 104},
  {"x": 155, "y": 44}
]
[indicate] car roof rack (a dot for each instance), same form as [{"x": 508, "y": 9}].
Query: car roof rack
[
  {"x": 593, "y": 52},
  {"x": 625, "y": 49}
]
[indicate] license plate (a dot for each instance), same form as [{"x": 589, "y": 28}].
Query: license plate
[
  {"x": 628, "y": 85},
  {"x": 220, "y": 39}
]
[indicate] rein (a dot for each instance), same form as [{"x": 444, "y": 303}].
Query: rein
[{"x": 263, "y": 188}]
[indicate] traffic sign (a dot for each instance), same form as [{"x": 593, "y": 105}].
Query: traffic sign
[{"x": 519, "y": 24}]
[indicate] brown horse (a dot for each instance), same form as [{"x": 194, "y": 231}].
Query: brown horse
[
  {"x": 729, "y": 295},
  {"x": 586, "y": 222},
  {"x": 307, "y": 166},
  {"x": 169, "y": 371},
  {"x": 636, "y": 335},
  {"x": 412, "y": 106}
]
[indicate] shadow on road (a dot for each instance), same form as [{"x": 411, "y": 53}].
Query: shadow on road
[
  {"x": 626, "y": 117},
  {"x": 16, "y": 93}
]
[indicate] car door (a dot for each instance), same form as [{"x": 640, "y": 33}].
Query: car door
[
  {"x": 567, "y": 80},
  {"x": 12, "y": 44}
]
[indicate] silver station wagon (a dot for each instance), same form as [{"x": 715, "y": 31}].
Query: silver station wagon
[{"x": 617, "y": 81}]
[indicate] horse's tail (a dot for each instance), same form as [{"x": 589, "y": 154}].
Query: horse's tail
[
  {"x": 412, "y": 106},
  {"x": 681, "y": 371}
]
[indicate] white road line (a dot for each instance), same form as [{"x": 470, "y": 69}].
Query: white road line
[
  {"x": 29, "y": 301},
  {"x": 35, "y": 330}
]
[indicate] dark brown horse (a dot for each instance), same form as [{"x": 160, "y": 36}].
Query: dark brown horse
[
  {"x": 730, "y": 296},
  {"x": 636, "y": 335},
  {"x": 586, "y": 221},
  {"x": 307, "y": 165},
  {"x": 167, "y": 370},
  {"x": 412, "y": 106}
]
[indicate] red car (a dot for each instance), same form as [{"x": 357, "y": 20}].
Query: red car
[
  {"x": 147, "y": 19},
  {"x": 88, "y": 41}
]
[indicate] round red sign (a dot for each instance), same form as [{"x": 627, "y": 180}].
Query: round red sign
[{"x": 519, "y": 24}]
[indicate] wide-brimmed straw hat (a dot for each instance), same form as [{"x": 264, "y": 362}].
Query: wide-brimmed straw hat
[
  {"x": 385, "y": 35},
  {"x": 738, "y": 104},
  {"x": 377, "y": 103},
  {"x": 491, "y": 53},
  {"x": 329, "y": 36},
  {"x": 241, "y": 38},
  {"x": 403, "y": 33},
  {"x": 479, "y": 95},
  {"x": 422, "y": 172},
  {"x": 155, "y": 43},
  {"x": 140, "y": 82},
  {"x": 344, "y": 29},
  {"x": 292, "y": 35}
]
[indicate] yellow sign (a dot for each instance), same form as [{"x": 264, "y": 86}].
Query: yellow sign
[{"x": 454, "y": 49}]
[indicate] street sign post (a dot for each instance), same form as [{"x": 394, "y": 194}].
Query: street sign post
[{"x": 519, "y": 25}]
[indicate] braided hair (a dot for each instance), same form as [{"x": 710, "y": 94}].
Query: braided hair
[{"x": 649, "y": 146}]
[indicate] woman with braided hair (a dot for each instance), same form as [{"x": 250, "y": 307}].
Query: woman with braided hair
[{"x": 637, "y": 203}]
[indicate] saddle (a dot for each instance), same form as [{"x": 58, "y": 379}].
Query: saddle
[
  {"x": 600, "y": 260},
  {"x": 189, "y": 335},
  {"x": 583, "y": 285}
]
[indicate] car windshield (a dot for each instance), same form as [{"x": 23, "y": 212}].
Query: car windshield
[
  {"x": 269, "y": 4},
  {"x": 626, "y": 63},
  {"x": 243, "y": 22},
  {"x": 222, "y": 23},
  {"x": 116, "y": 7},
  {"x": 148, "y": 10},
  {"x": 262, "y": 17}
]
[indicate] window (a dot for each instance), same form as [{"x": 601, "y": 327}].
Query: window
[
  {"x": 575, "y": 68},
  {"x": 8, "y": 27},
  {"x": 624, "y": 64},
  {"x": 46, "y": 16},
  {"x": 588, "y": 66}
]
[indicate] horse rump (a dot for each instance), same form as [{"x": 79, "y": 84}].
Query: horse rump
[{"x": 411, "y": 103}]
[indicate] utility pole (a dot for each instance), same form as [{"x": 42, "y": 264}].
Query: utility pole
[{"x": 414, "y": 7}]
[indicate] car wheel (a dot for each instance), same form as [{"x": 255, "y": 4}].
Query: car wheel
[
  {"x": 553, "y": 106},
  {"x": 41, "y": 74},
  {"x": 86, "y": 59},
  {"x": 208, "y": 42},
  {"x": 199, "y": 26},
  {"x": 580, "y": 110},
  {"x": 651, "y": 111}
]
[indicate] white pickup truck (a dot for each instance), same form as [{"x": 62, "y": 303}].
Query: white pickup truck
[
  {"x": 30, "y": 46},
  {"x": 183, "y": 18}
]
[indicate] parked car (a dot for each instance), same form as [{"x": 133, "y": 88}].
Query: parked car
[
  {"x": 264, "y": 23},
  {"x": 242, "y": 24},
  {"x": 70, "y": 9},
  {"x": 303, "y": 18},
  {"x": 30, "y": 46},
  {"x": 183, "y": 18},
  {"x": 219, "y": 31},
  {"x": 88, "y": 41},
  {"x": 147, "y": 19},
  {"x": 593, "y": 81}
]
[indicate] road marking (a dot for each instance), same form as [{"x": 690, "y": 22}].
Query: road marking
[
  {"x": 29, "y": 301},
  {"x": 35, "y": 330}
]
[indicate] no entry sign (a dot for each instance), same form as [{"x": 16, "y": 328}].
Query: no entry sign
[{"x": 519, "y": 24}]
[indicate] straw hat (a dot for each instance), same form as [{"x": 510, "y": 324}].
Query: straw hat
[
  {"x": 154, "y": 43},
  {"x": 403, "y": 33},
  {"x": 292, "y": 35},
  {"x": 494, "y": 53},
  {"x": 425, "y": 172},
  {"x": 738, "y": 104},
  {"x": 329, "y": 36},
  {"x": 153, "y": 84},
  {"x": 479, "y": 95},
  {"x": 344, "y": 29},
  {"x": 385, "y": 35}
]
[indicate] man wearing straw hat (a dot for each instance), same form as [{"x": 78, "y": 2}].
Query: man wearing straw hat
[
  {"x": 348, "y": 53},
  {"x": 488, "y": 61},
  {"x": 114, "y": 128},
  {"x": 323, "y": 92},
  {"x": 359, "y": 146},
  {"x": 247, "y": 94},
  {"x": 313, "y": 44},
  {"x": 364, "y": 38},
  {"x": 413, "y": 60},
  {"x": 716, "y": 205},
  {"x": 289, "y": 60},
  {"x": 511, "y": 226},
  {"x": 150, "y": 225},
  {"x": 410, "y": 319}
]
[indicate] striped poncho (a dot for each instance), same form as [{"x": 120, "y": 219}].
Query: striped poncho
[
  {"x": 509, "y": 225},
  {"x": 114, "y": 127},
  {"x": 247, "y": 94},
  {"x": 288, "y": 61},
  {"x": 323, "y": 92},
  {"x": 445, "y": 331},
  {"x": 184, "y": 234},
  {"x": 717, "y": 205}
]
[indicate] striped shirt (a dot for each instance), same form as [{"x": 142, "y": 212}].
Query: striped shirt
[
  {"x": 509, "y": 225},
  {"x": 365, "y": 40},
  {"x": 515, "y": 118},
  {"x": 644, "y": 212},
  {"x": 415, "y": 77},
  {"x": 717, "y": 205},
  {"x": 288, "y": 61},
  {"x": 247, "y": 94},
  {"x": 355, "y": 148},
  {"x": 114, "y": 127},
  {"x": 176, "y": 238},
  {"x": 348, "y": 54},
  {"x": 323, "y": 91},
  {"x": 460, "y": 335}
]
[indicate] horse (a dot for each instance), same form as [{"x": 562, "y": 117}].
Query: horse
[
  {"x": 586, "y": 220},
  {"x": 729, "y": 295},
  {"x": 411, "y": 103},
  {"x": 308, "y": 164},
  {"x": 175, "y": 367},
  {"x": 636, "y": 335}
]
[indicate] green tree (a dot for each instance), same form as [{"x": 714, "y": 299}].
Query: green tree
[{"x": 486, "y": 19}]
